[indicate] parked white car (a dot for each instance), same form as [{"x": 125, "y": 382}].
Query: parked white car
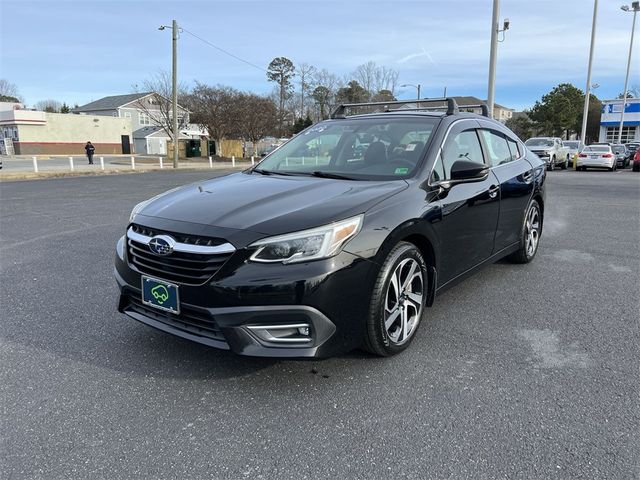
[
  {"x": 550, "y": 150},
  {"x": 596, "y": 156}
]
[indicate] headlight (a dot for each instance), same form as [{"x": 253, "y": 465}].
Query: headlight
[
  {"x": 138, "y": 208},
  {"x": 321, "y": 242}
]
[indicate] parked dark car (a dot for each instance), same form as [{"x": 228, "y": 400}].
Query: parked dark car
[
  {"x": 622, "y": 155},
  {"x": 311, "y": 257}
]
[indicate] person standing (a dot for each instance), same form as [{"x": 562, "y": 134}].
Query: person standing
[{"x": 90, "y": 149}]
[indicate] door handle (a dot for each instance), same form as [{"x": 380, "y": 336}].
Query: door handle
[
  {"x": 493, "y": 191},
  {"x": 527, "y": 176}
]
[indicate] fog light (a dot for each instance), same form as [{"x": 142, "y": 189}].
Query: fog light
[
  {"x": 303, "y": 331},
  {"x": 292, "y": 333}
]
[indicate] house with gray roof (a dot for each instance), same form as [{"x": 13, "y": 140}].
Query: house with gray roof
[{"x": 147, "y": 111}]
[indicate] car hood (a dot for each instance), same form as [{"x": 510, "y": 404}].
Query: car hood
[{"x": 270, "y": 205}]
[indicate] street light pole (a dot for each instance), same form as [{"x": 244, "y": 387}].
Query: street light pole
[
  {"x": 493, "y": 56},
  {"x": 174, "y": 93},
  {"x": 417, "y": 87},
  {"x": 635, "y": 6},
  {"x": 585, "y": 111}
]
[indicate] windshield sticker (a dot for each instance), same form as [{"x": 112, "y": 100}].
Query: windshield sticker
[
  {"x": 401, "y": 170},
  {"x": 318, "y": 129},
  {"x": 410, "y": 148}
]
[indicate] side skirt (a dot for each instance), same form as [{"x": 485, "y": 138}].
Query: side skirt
[{"x": 489, "y": 261}]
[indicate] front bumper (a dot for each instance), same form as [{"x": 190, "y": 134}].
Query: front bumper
[{"x": 234, "y": 308}]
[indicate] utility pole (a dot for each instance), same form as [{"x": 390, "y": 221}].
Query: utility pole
[
  {"x": 585, "y": 111},
  {"x": 174, "y": 86},
  {"x": 418, "y": 91},
  {"x": 635, "y": 6},
  {"x": 493, "y": 56}
]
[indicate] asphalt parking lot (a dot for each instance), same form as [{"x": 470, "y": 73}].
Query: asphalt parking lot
[{"x": 519, "y": 372}]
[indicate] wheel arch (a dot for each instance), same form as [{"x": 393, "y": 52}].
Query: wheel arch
[{"x": 428, "y": 253}]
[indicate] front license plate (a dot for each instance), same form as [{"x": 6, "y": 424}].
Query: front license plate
[{"x": 161, "y": 295}]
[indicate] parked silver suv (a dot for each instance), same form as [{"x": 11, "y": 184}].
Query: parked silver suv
[{"x": 550, "y": 150}]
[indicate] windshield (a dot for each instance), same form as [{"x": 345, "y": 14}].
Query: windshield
[
  {"x": 362, "y": 149},
  {"x": 539, "y": 142},
  {"x": 571, "y": 144},
  {"x": 618, "y": 149},
  {"x": 598, "y": 149}
]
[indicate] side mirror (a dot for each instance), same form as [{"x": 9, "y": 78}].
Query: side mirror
[{"x": 465, "y": 170}]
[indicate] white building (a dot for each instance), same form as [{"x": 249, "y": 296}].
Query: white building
[
  {"x": 144, "y": 110},
  {"x": 610, "y": 121}
]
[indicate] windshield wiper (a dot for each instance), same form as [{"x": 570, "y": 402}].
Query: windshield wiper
[
  {"x": 320, "y": 174},
  {"x": 261, "y": 171}
]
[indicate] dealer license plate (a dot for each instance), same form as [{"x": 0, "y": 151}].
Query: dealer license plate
[{"x": 160, "y": 294}]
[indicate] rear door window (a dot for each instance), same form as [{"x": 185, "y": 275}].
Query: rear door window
[
  {"x": 514, "y": 149},
  {"x": 497, "y": 147}
]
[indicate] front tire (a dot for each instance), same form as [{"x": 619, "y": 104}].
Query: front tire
[
  {"x": 397, "y": 302},
  {"x": 552, "y": 164},
  {"x": 530, "y": 235}
]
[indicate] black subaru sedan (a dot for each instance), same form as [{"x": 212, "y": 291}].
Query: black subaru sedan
[{"x": 339, "y": 239}]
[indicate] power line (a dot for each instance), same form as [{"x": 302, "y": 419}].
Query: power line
[{"x": 223, "y": 50}]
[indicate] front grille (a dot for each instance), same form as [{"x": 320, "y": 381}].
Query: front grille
[
  {"x": 190, "y": 320},
  {"x": 180, "y": 267},
  {"x": 178, "y": 237}
]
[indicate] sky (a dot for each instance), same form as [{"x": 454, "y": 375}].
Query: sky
[{"x": 78, "y": 51}]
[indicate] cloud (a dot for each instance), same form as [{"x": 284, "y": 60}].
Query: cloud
[{"x": 423, "y": 53}]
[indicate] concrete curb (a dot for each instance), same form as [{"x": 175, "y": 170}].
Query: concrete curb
[{"x": 22, "y": 176}]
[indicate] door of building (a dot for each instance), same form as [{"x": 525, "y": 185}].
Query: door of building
[{"x": 126, "y": 146}]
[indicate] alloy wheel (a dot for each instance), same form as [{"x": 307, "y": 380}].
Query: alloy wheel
[
  {"x": 403, "y": 301},
  {"x": 532, "y": 231}
]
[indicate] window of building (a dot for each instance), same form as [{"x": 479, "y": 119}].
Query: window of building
[
  {"x": 628, "y": 134},
  {"x": 127, "y": 114},
  {"x": 144, "y": 119}
]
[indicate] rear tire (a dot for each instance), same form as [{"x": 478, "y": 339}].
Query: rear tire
[
  {"x": 529, "y": 236},
  {"x": 397, "y": 302},
  {"x": 565, "y": 164}
]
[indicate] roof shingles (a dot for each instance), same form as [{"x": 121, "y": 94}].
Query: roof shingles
[{"x": 110, "y": 103}]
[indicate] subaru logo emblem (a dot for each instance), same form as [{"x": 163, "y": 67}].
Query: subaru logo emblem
[{"x": 162, "y": 244}]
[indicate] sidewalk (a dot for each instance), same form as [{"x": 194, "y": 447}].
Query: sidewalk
[{"x": 23, "y": 167}]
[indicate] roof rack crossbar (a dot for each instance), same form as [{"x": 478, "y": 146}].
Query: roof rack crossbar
[
  {"x": 452, "y": 106},
  {"x": 483, "y": 106}
]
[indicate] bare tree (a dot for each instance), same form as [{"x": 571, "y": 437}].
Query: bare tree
[
  {"x": 9, "y": 91},
  {"x": 305, "y": 72},
  {"x": 257, "y": 117},
  {"x": 216, "y": 109},
  {"x": 49, "y": 105},
  {"x": 157, "y": 105},
  {"x": 375, "y": 78},
  {"x": 366, "y": 75},
  {"x": 386, "y": 79},
  {"x": 325, "y": 86}
]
